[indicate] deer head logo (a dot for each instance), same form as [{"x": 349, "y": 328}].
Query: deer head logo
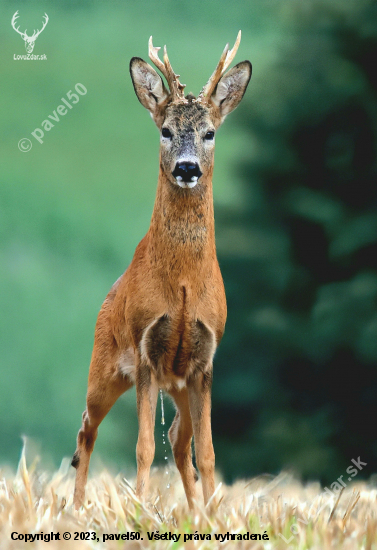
[{"x": 29, "y": 40}]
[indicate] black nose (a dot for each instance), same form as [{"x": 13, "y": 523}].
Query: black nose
[{"x": 187, "y": 171}]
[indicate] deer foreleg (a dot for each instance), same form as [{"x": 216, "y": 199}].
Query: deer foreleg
[
  {"x": 146, "y": 397},
  {"x": 199, "y": 390}
]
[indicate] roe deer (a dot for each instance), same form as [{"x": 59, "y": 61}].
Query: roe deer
[{"x": 162, "y": 320}]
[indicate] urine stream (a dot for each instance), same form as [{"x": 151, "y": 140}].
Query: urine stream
[{"x": 164, "y": 440}]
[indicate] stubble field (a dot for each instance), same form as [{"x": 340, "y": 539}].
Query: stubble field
[{"x": 281, "y": 508}]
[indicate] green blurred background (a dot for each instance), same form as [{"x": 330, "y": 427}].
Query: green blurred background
[{"x": 295, "y": 378}]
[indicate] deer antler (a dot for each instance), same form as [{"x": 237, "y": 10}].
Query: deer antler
[
  {"x": 23, "y": 34},
  {"x": 17, "y": 29},
  {"x": 176, "y": 88},
  {"x": 44, "y": 24},
  {"x": 225, "y": 60}
]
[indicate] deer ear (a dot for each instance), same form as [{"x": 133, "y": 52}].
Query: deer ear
[
  {"x": 149, "y": 87},
  {"x": 231, "y": 88}
]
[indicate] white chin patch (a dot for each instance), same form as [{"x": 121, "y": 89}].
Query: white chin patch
[{"x": 187, "y": 184}]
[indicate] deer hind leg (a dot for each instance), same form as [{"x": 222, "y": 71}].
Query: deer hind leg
[
  {"x": 146, "y": 398},
  {"x": 180, "y": 436},
  {"x": 199, "y": 390},
  {"x": 104, "y": 388}
]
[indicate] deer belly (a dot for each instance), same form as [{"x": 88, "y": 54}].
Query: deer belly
[
  {"x": 126, "y": 364},
  {"x": 175, "y": 351}
]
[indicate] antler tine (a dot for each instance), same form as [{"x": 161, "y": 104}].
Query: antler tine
[
  {"x": 215, "y": 77},
  {"x": 232, "y": 53},
  {"x": 44, "y": 24},
  {"x": 225, "y": 60},
  {"x": 15, "y": 16},
  {"x": 176, "y": 88},
  {"x": 153, "y": 56},
  {"x": 17, "y": 29},
  {"x": 173, "y": 79},
  {"x": 169, "y": 69}
]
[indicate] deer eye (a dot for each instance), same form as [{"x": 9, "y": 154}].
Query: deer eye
[
  {"x": 209, "y": 135},
  {"x": 166, "y": 133}
]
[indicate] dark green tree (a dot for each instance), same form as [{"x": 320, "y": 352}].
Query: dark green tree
[{"x": 301, "y": 339}]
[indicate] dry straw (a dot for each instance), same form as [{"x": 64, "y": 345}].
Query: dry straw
[{"x": 33, "y": 502}]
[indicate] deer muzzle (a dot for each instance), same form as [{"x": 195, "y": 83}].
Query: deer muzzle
[{"x": 187, "y": 174}]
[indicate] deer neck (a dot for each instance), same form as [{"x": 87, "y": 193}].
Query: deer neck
[{"x": 182, "y": 230}]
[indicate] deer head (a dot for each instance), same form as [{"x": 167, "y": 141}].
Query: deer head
[
  {"x": 188, "y": 124},
  {"x": 29, "y": 40}
]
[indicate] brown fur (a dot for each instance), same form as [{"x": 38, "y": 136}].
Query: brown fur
[{"x": 166, "y": 314}]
